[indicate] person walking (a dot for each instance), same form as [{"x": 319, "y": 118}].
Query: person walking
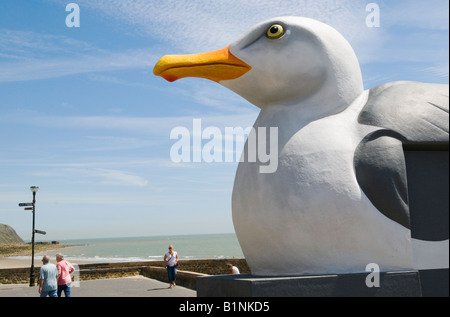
[
  {"x": 48, "y": 284},
  {"x": 64, "y": 280},
  {"x": 171, "y": 259}
]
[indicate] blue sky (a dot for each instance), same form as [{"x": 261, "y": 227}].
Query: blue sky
[{"x": 83, "y": 117}]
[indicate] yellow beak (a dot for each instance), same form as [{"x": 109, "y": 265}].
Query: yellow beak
[{"x": 217, "y": 65}]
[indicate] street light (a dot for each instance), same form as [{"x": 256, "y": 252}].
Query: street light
[{"x": 34, "y": 190}]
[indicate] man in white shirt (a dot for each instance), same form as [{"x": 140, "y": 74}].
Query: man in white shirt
[
  {"x": 233, "y": 269},
  {"x": 48, "y": 284}
]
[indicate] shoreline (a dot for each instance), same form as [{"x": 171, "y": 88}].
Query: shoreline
[
  {"x": 6, "y": 263},
  {"x": 10, "y": 250},
  {"x": 10, "y": 253}
]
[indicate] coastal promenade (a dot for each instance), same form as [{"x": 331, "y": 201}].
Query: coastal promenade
[
  {"x": 120, "y": 279},
  {"x": 132, "y": 286}
]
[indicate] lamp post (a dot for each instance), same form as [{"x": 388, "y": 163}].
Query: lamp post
[{"x": 34, "y": 190}]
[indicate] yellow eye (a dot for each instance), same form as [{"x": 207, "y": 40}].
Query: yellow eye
[{"x": 275, "y": 32}]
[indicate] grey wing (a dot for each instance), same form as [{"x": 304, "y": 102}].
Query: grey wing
[
  {"x": 414, "y": 118},
  {"x": 417, "y": 111}
]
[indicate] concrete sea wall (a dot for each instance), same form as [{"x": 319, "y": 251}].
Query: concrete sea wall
[{"x": 188, "y": 271}]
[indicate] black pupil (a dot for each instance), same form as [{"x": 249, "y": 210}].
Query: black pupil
[{"x": 274, "y": 29}]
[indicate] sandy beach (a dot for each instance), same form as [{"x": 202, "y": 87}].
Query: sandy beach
[
  {"x": 22, "y": 257},
  {"x": 7, "y": 263}
]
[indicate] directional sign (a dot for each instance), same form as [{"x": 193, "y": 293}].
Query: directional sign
[
  {"x": 28, "y": 208},
  {"x": 39, "y": 231},
  {"x": 25, "y": 204}
]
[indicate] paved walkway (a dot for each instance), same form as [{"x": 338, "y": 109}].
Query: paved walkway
[{"x": 134, "y": 286}]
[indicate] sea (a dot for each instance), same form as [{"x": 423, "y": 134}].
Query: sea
[{"x": 135, "y": 249}]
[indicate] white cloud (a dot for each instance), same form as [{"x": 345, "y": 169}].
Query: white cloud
[
  {"x": 160, "y": 126},
  {"x": 194, "y": 26},
  {"x": 25, "y": 44},
  {"x": 93, "y": 175},
  {"x": 440, "y": 71},
  {"x": 418, "y": 14},
  {"x": 31, "y": 55},
  {"x": 42, "y": 68},
  {"x": 116, "y": 177}
]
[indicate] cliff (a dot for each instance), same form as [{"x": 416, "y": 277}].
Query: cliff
[{"x": 9, "y": 236}]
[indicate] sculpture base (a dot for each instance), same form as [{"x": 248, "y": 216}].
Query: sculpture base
[{"x": 401, "y": 284}]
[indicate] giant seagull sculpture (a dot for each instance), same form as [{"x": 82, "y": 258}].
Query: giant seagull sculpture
[{"x": 339, "y": 197}]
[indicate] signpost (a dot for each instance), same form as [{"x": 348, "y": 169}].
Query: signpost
[
  {"x": 34, "y": 189},
  {"x": 25, "y": 204}
]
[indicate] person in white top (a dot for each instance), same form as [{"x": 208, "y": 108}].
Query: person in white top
[
  {"x": 233, "y": 269},
  {"x": 171, "y": 259}
]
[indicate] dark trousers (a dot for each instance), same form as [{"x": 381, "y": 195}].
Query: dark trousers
[
  {"x": 65, "y": 288},
  {"x": 172, "y": 272}
]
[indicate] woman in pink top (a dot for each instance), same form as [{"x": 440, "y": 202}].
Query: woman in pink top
[{"x": 64, "y": 279}]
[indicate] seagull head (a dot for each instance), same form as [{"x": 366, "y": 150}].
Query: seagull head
[{"x": 282, "y": 61}]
